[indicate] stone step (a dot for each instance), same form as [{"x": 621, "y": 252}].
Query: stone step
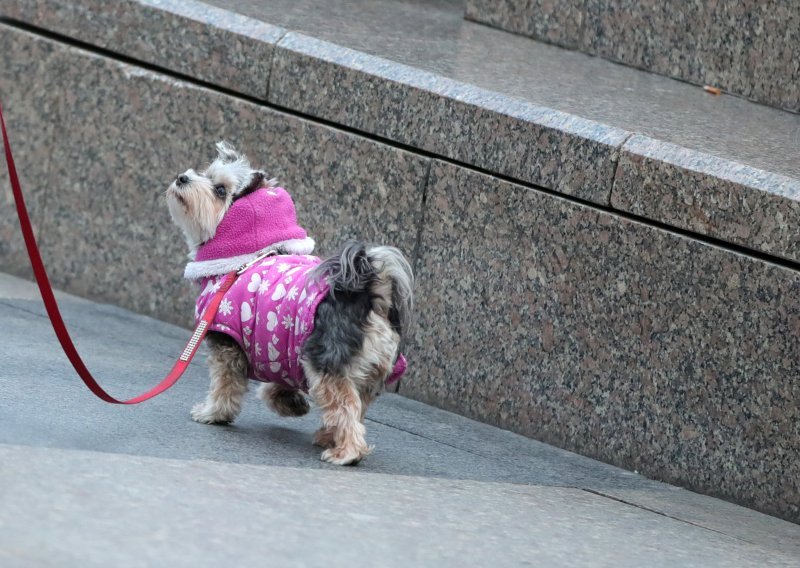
[
  {"x": 748, "y": 48},
  {"x": 633, "y": 297},
  {"x": 85, "y": 483},
  {"x": 420, "y": 75}
]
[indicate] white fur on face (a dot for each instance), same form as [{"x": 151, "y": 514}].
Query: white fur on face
[{"x": 197, "y": 207}]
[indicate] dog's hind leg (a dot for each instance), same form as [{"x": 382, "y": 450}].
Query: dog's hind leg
[
  {"x": 227, "y": 365},
  {"x": 345, "y": 395},
  {"x": 342, "y": 430}
]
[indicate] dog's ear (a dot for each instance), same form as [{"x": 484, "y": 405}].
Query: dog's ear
[
  {"x": 228, "y": 153},
  {"x": 258, "y": 179}
]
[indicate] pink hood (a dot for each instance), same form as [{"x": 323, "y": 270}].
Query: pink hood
[{"x": 262, "y": 221}]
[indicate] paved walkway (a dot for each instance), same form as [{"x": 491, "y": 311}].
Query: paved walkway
[{"x": 84, "y": 483}]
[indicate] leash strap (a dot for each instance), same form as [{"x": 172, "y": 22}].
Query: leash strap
[{"x": 57, "y": 321}]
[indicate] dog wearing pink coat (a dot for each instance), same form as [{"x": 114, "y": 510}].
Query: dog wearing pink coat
[{"x": 298, "y": 324}]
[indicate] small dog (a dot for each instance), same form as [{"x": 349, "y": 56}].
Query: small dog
[{"x": 331, "y": 327}]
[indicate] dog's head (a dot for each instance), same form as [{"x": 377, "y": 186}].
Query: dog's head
[{"x": 198, "y": 202}]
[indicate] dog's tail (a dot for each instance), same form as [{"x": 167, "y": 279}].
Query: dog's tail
[{"x": 382, "y": 272}]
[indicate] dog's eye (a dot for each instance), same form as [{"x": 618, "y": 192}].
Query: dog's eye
[{"x": 219, "y": 190}]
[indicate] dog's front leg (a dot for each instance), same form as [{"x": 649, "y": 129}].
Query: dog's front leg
[{"x": 227, "y": 365}]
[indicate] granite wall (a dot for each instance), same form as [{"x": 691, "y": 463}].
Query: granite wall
[
  {"x": 609, "y": 337},
  {"x": 748, "y": 48},
  {"x": 538, "y": 313}
]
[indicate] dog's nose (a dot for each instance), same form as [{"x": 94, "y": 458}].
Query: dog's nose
[{"x": 183, "y": 179}]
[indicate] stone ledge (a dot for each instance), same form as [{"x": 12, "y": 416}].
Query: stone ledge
[
  {"x": 425, "y": 78},
  {"x": 501, "y": 134},
  {"x": 184, "y": 36},
  {"x": 709, "y": 195},
  {"x": 746, "y": 47}
]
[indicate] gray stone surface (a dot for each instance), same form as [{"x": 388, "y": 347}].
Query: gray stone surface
[
  {"x": 536, "y": 113},
  {"x": 508, "y": 136},
  {"x": 649, "y": 350},
  {"x": 610, "y": 338},
  {"x": 715, "y": 515},
  {"x": 747, "y": 48},
  {"x": 181, "y": 513},
  {"x": 126, "y": 132},
  {"x": 419, "y": 74},
  {"x": 710, "y": 196},
  {"x": 85, "y": 483},
  {"x": 559, "y": 22},
  {"x": 31, "y": 117},
  {"x": 185, "y": 36},
  {"x": 516, "y": 69}
]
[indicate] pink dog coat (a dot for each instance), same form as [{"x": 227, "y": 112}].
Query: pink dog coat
[{"x": 269, "y": 311}]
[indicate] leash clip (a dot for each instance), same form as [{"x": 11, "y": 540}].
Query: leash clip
[{"x": 249, "y": 264}]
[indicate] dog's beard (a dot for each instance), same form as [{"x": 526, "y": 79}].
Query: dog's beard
[
  {"x": 196, "y": 211},
  {"x": 196, "y": 205}
]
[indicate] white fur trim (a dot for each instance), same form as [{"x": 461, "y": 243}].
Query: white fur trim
[{"x": 216, "y": 266}]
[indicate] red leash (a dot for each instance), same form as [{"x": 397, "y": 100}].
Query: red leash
[{"x": 58, "y": 322}]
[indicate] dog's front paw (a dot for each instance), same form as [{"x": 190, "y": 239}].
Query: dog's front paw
[
  {"x": 207, "y": 414},
  {"x": 346, "y": 455}
]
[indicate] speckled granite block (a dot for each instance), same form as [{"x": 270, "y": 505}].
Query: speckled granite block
[
  {"x": 748, "y": 48},
  {"x": 503, "y": 134},
  {"x": 649, "y": 350},
  {"x": 127, "y": 132},
  {"x": 710, "y": 196},
  {"x": 185, "y": 36},
  {"x": 31, "y": 109},
  {"x": 554, "y": 21}
]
